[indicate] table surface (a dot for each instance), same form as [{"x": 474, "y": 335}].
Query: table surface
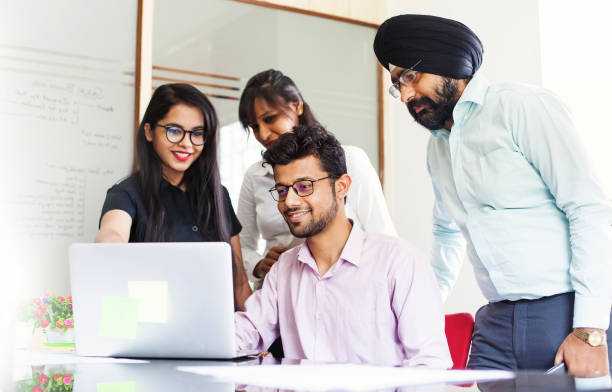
[{"x": 113, "y": 375}]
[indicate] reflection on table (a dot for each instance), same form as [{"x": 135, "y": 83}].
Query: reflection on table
[{"x": 72, "y": 373}]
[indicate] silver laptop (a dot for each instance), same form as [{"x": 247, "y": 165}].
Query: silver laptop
[{"x": 153, "y": 300}]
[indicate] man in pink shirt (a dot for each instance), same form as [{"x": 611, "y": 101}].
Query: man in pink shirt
[{"x": 344, "y": 295}]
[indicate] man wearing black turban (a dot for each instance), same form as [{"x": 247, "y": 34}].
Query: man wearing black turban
[{"x": 511, "y": 181}]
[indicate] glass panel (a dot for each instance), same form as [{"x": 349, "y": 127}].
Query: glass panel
[{"x": 332, "y": 63}]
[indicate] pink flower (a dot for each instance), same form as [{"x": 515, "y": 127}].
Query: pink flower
[
  {"x": 59, "y": 324},
  {"x": 57, "y": 378},
  {"x": 60, "y": 298},
  {"x": 36, "y": 389},
  {"x": 39, "y": 313},
  {"x": 67, "y": 379},
  {"x": 42, "y": 379},
  {"x": 44, "y": 323},
  {"x": 68, "y": 323},
  {"x": 37, "y": 301}
]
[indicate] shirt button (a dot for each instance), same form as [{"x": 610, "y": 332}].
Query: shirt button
[{"x": 194, "y": 228}]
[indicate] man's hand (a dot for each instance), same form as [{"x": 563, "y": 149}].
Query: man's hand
[
  {"x": 263, "y": 267},
  {"x": 581, "y": 359}
]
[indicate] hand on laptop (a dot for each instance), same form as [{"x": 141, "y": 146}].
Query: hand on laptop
[{"x": 263, "y": 267}]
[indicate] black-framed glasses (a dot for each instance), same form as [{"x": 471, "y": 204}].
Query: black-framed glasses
[
  {"x": 407, "y": 77},
  {"x": 175, "y": 134},
  {"x": 302, "y": 188}
]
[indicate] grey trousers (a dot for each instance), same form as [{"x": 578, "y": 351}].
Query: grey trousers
[{"x": 523, "y": 334}]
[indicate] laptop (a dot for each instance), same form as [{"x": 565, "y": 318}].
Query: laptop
[{"x": 153, "y": 300}]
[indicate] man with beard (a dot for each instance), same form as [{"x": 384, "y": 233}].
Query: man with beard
[
  {"x": 511, "y": 180},
  {"x": 343, "y": 295}
]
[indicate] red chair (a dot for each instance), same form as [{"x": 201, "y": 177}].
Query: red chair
[{"x": 458, "y": 328}]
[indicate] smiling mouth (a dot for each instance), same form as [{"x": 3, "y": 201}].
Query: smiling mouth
[
  {"x": 181, "y": 156},
  {"x": 296, "y": 216},
  {"x": 417, "y": 109}
]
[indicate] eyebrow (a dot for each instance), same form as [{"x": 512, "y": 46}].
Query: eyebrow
[
  {"x": 296, "y": 180},
  {"x": 398, "y": 74},
  {"x": 183, "y": 128},
  {"x": 264, "y": 114}
]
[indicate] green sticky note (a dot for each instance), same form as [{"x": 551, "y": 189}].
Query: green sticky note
[
  {"x": 125, "y": 386},
  {"x": 119, "y": 318}
]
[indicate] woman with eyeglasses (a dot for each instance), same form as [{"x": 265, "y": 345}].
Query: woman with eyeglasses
[
  {"x": 175, "y": 192},
  {"x": 271, "y": 105}
]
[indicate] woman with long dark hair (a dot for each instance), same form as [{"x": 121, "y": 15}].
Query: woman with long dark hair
[
  {"x": 175, "y": 192},
  {"x": 271, "y": 105}
]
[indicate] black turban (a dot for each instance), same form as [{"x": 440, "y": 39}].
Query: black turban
[{"x": 444, "y": 47}]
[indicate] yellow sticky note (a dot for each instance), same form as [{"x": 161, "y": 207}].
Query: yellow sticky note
[
  {"x": 119, "y": 317},
  {"x": 153, "y": 298},
  {"x": 124, "y": 386}
]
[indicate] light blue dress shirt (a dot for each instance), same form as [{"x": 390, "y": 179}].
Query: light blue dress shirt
[{"x": 513, "y": 185}]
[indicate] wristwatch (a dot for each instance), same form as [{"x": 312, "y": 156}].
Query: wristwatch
[{"x": 593, "y": 338}]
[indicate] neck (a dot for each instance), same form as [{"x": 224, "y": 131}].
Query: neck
[
  {"x": 461, "y": 85},
  {"x": 172, "y": 177},
  {"x": 326, "y": 247}
]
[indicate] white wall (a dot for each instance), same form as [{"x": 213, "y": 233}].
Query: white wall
[
  {"x": 509, "y": 31},
  {"x": 576, "y": 65}
]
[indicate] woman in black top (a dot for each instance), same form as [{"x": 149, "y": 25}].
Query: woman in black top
[{"x": 175, "y": 192}]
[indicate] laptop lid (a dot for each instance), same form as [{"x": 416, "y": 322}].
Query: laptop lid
[{"x": 157, "y": 300}]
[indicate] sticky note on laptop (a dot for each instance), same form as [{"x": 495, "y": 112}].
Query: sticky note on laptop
[
  {"x": 125, "y": 386},
  {"x": 119, "y": 317},
  {"x": 153, "y": 298}
]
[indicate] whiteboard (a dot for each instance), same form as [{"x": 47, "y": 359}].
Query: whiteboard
[{"x": 66, "y": 113}]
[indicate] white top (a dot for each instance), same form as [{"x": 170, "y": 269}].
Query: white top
[{"x": 259, "y": 216}]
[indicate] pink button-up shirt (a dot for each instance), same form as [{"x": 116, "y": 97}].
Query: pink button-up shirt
[{"x": 379, "y": 304}]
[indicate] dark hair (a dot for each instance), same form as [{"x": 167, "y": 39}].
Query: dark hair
[
  {"x": 201, "y": 179},
  {"x": 278, "y": 91},
  {"x": 308, "y": 140}
]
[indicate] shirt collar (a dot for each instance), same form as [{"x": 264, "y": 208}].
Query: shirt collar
[
  {"x": 263, "y": 169},
  {"x": 474, "y": 92},
  {"x": 165, "y": 185},
  {"x": 350, "y": 253}
]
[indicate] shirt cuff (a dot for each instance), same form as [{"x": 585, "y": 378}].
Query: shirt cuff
[
  {"x": 591, "y": 312},
  {"x": 591, "y": 384}
]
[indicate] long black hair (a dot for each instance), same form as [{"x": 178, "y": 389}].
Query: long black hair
[
  {"x": 278, "y": 90},
  {"x": 201, "y": 179}
]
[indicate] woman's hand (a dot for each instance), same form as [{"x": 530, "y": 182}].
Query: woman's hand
[{"x": 263, "y": 267}]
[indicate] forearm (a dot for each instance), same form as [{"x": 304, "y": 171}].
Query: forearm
[
  {"x": 591, "y": 271},
  {"x": 447, "y": 254},
  {"x": 107, "y": 235},
  {"x": 257, "y": 325},
  {"x": 242, "y": 290}
]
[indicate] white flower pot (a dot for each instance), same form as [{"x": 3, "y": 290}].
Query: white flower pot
[{"x": 57, "y": 335}]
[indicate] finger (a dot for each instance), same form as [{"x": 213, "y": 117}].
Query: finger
[{"x": 559, "y": 356}]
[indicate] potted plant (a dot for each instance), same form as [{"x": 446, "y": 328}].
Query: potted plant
[
  {"x": 54, "y": 315},
  {"x": 51, "y": 381}
]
